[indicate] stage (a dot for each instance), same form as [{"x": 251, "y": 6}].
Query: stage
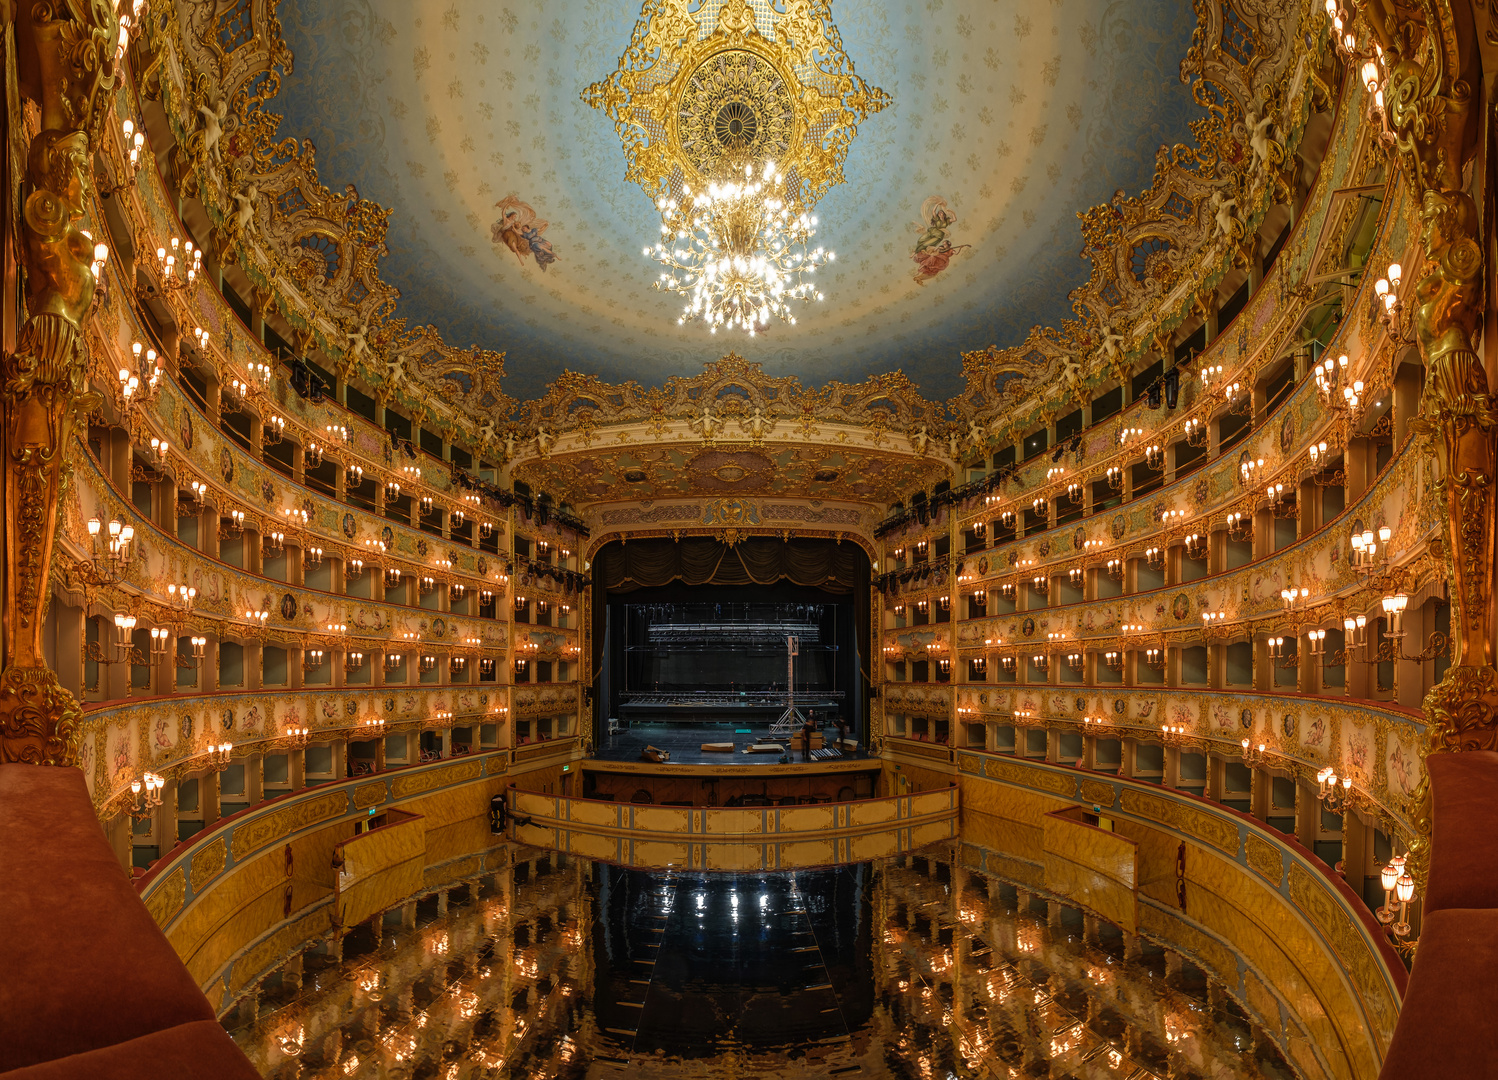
[{"x": 684, "y": 742}]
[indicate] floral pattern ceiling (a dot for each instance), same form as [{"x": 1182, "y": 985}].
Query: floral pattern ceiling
[{"x": 515, "y": 229}]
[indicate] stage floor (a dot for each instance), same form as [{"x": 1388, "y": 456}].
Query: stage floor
[{"x": 685, "y": 745}]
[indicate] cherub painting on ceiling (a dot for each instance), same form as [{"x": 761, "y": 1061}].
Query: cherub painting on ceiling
[
  {"x": 520, "y": 230},
  {"x": 933, "y": 248}
]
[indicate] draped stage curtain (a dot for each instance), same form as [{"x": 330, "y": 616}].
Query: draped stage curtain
[{"x": 642, "y": 564}]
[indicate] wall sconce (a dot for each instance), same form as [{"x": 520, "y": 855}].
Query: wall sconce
[
  {"x": 1355, "y": 632},
  {"x": 520, "y": 666},
  {"x": 1173, "y": 734},
  {"x": 1155, "y": 557},
  {"x": 1075, "y": 576},
  {"x": 457, "y": 592},
  {"x": 353, "y": 476},
  {"x": 311, "y": 659},
  {"x": 124, "y": 635},
  {"x": 486, "y": 668},
  {"x": 272, "y": 430},
  {"x": 1196, "y": 546},
  {"x": 1210, "y": 617},
  {"x": 1394, "y": 614},
  {"x": 1041, "y": 661},
  {"x": 457, "y": 664},
  {"x": 922, "y": 606},
  {"x": 1115, "y": 477},
  {"x": 146, "y": 795},
  {"x": 160, "y": 636},
  {"x": 1333, "y": 791},
  {"x": 979, "y": 528},
  {"x": 1252, "y": 755},
  {"x": 980, "y": 665},
  {"x": 353, "y": 661},
  {"x": 899, "y": 553},
  {"x": 1248, "y": 471},
  {"x": 1113, "y": 660},
  {"x": 199, "y": 648},
  {"x": 920, "y": 549},
  {"x": 1294, "y": 598},
  {"x": 428, "y": 663},
  {"x": 372, "y": 727},
  {"x": 219, "y": 756},
  {"x": 543, "y": 607},
  {"x": 393, "y": 661},
  {"x": 1114, "y": 568},
  {"x": 392, "y": 577},
  {"x": 426, "y": 505},
  {"x": 312, "y": 556},
  {"x": 1095, "y": 723},
  {"x": 945, "y": 602},
  {"x": 486, "y": 597},
  {"x": 1389, "y": 877},
  {"x": 1074, "y": 661},
  {"x": 1127, "y": 435},
  {"x": 392, "y": 491},
  {"x": 112, "y": 548},
  {"x": 899, "y": 611},
  {"x": 311, "y": 455},
  {"x": 520, "y": 603},
  {"x": 1041, "y": 507},
  {"x": 1006, "y": 590},
  {"x": 980, "y": 597},
  {"x": 167, "y": 262},
  {"x": 1317, "y": 639},
  {"x": 297, "y": 737},
  {"x": 1196, "y": 432},
  {"x": 353, "y": 569},
  {"x": 1041, "y": 583},
  {"x": 1329, "y": 374},
  {"x": 273, "y": 542},
  {"x": 426, "y": 583},
  {"x": 1240, "y": 526},
  {"x": 1154, "y": 457},
  {"x": 1007, "y": 663},
  {"x": 231, "y": 525},
  {"x": 1155, "y": 658},
  {"x": 1006, "y": 519},
  {"x": 944, "y": 665}
]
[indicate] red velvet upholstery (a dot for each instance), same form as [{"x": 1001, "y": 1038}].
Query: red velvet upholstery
[
  {"x": 186, "y": 1052},
  {"x": 1464, "y": 834},
  {"x": 1448, "y": 1027},
  {"x": 83, "y": 966}
]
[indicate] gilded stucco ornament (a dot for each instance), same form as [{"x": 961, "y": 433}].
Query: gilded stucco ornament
[
  {"x": 66, "y": 65},
  {"x": 1429, "y": 111}
]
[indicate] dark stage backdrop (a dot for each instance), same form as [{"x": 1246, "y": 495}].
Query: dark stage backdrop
[{"x": 701, "y": 569}]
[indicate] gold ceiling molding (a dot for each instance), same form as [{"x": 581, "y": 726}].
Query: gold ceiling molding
[
  {"x": 1153, "y": 256},
  {"x": 690, "y": 106}
]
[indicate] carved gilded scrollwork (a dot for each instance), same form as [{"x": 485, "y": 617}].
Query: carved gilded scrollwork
[
  {"x": 66, "y": 65},
  {"x": 1429, "y": 95}
]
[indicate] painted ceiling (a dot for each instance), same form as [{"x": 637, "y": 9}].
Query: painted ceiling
[{"x": 1016, "y": 115}]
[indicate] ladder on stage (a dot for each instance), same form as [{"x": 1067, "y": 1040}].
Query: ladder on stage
[{"x": 791, "y": 720}]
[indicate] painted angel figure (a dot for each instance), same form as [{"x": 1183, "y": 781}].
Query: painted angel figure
[
  {"x": 520, "y": 230},
  {"x": 933, "y": 248}
]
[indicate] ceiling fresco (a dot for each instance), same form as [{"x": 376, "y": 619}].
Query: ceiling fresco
[{"x": 1003, "y": 123}]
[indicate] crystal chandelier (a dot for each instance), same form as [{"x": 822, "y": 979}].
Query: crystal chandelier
[
  {"x": 736, "y": 120},
  {"x": 739, "y": 252}
]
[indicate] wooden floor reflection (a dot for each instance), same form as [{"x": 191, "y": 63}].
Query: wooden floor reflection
[{"x": 905, "y": 968}]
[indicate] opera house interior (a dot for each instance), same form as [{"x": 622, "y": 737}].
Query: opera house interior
[{"x": 748, "y": 538}]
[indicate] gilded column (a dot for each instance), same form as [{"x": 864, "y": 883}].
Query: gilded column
[{"x": 64, "y": 61}]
